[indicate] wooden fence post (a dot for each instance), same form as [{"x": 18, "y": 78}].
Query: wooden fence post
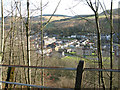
[
  {"x": 10, "y": 76},
  {"x": 79, "y": 75}
]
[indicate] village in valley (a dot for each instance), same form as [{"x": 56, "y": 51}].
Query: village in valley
[{"x": 74, "y": 45}]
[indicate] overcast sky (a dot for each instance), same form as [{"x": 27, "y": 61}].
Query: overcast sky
[{"x": 66, "y": 7}]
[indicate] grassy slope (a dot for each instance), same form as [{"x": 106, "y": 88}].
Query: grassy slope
[{"x": 55, "y": 17}]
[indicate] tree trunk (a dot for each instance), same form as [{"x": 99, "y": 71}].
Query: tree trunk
[
  {"x": 111, "y": 43},
  {"x": 2, "y": 27},
  {"x": 28, "y": 43},
  {"x": 99, "y": 47},
  {"x": 42, "y": 55},
  {"x": 1, "y": 40}
]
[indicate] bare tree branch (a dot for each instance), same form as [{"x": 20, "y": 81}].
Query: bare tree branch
[{"x": 48, "y": 19}]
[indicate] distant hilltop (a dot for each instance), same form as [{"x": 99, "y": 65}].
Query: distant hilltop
[{"x": 57, "y": 15}]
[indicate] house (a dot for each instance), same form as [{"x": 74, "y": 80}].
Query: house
[
  {"x": 51, "y": 45},
  {"x": 68, "y": 37},
  {"x": 68, "y": 50},
  {"x": 48, "y": 40},
  {"x": 73, "y": 36},
  {"x": 46, "y": 51},
  {"x": 57, "y": 48},
  {"x": 90, "y": 43},
  {"x": 59, "y": 42},
  {"x": 84, "y": 42},
  {"x": 83, "y": 36}
]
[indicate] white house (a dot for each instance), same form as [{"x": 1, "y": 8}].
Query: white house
[{"x": 48, "y": 41}]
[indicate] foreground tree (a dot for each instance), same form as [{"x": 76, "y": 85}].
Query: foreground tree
[
  {"x": 1, "y": 39},
  {"x": 99, "y": 50},
  {"x": 42, "y": 54},
  {"x": 28, "y": 43},
  {"x": 110, "y": 21},
  {"x": 111, "y": 43}
]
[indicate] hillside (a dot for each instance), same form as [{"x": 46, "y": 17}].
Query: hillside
[
  {"x": 47, "y": 16},
  {"x": 63, "y": 25},
  {"x": 78, "y": 25}
]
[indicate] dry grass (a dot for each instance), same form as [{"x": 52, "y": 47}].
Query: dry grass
[
  {"x": 55, "y": 18},
  {"x": 65, "y": 83}
]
